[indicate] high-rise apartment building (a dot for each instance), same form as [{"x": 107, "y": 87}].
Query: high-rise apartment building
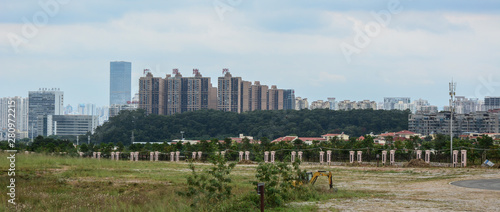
[
  {"x": 43, "y": 102},
  {"x": 21, "y": 116},
  {"x": 120, "y": 82},
  {"x": 258, "y": 96},
  {"x": 151, "y": 94},
  {"x": 176, "y": 94},
  {"x": 275, "y": 98},
  {"x": 229, "y": 93},
  {"x": 288, "y": 99}
]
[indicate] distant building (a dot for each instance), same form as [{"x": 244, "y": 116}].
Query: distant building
[
  {"x": 301, "y": 104},
  {"x": 229, "y": 93},
  {"x": 288, "y": 99},
  {"x": 258, "y": 96},
  {"x": 66, "y": 124},
  {"x": 365, "y": 104},
  {"x": 275, "y": 98},
  {"x": 341, "y": 136},
  {"x": 43, "y": 102},
  {"x": 152, "y": 94},
  {"x": 120, "y": 82},
  {"x": 439, "y": 123},
  {"x": 465, "y": 105},
  {"x": 176, "y": 94},
  {"x": 114, "y": 110},
  {"x": 389, "y": 102},
  {"x": 491, "y": 103},
  {"x": 333, "y": 103},
  {"x": 320, "y": 104},
  {"x": 21, "y": 116}
]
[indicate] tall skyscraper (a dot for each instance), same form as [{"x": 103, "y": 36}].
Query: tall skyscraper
[
  {"x": 120, "y": 82},
  {"x": 43, "y": 102}
]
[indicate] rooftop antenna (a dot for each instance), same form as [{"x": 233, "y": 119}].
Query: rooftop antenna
[{"x": 196, "y": 72}]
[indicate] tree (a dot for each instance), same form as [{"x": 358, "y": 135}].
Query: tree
[
  {"x": 84, "y": 147},
  {"x": 120, "y": 146},
  {"x": 484, "y": 142}
]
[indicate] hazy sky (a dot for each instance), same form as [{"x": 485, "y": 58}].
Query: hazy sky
[{"x": 319, "y": 48}]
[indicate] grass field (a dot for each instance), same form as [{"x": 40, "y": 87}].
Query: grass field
[{"x": 54, "y": 183}]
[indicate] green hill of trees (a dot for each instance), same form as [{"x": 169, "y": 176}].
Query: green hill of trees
[{"x": 207, "y": 124}]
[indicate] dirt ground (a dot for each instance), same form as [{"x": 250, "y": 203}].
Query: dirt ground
[{"x": 412, "y": 189}]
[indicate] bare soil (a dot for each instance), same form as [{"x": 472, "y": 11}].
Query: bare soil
[{"x": 412, "y": 189}]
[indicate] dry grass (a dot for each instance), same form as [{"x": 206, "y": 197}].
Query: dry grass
[{"x": 53, "y": 183}]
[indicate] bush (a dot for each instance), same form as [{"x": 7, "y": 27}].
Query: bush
[{"x": 212, "y": 185}]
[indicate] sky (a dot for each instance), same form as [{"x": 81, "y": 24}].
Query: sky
[{"x": 347, "y": 49}]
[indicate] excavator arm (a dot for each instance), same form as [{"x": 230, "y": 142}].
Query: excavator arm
[{"x": 322, "y": 173}]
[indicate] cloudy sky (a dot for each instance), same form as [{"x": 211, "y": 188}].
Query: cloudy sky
[{"x": 344, "y": 49}]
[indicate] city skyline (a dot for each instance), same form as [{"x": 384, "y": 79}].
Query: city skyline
[{"x": 289, "y": 44}]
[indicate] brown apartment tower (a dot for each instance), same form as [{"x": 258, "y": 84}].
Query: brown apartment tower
[{"x": 176, "y": 94}]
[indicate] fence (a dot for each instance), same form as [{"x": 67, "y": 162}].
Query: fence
[{"x": 472, "y": 156}]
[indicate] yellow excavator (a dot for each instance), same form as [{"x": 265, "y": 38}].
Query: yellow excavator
[{"x": 312, "y": 177}]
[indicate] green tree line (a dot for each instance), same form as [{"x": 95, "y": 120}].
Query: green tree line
[{"x": 207, "y": 124}]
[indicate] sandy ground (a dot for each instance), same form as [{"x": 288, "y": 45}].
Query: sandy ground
[{"x": 413, "y": 189}]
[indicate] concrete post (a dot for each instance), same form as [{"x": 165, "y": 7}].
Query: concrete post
[
  {"x": 247, "y": 155},
  {"x": 94, "y": 154},
  {"x": 384, "y": 157},
  {"x": 241, "y": 155},
  {"x": 151, "y": 156},
  {"x": 455, "y": 158},
  {"x": 391, "y": 157},
  {"x": 132, "y": 155},
  {"x": 321, "y": 154},
  {"x": 428, "y": 156},
  {"x": 99, "y": 155},
  {"x": 117, "y": 155},
  {"x": 351, "y": 156},
  {"x": 464, "y": 158},
  {"x": 359, "y": 156},
  {"x": 293, "y": 156},
  {"x": 300, "y": 156},
  {"x": 328, "y": 157},
  {"x": 157, "y": 155},
  {"x": 172, "y": 156},
  {"x": 112, "y": 155},
  {"x": 266, "y": 156},
  {"x": 136, "y": 156},
  {"x": 194, "y": 155},
  {"x": 177, "y": 155},
  {"x": 199, "y": 155},
  {"x": 272, "y": 156},
  {"x": 419, "y": 154}
]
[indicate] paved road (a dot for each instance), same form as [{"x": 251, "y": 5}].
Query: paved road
[{"x": 490, "y": 184}]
